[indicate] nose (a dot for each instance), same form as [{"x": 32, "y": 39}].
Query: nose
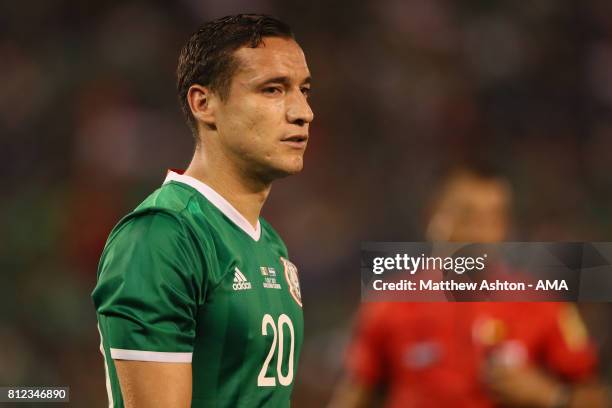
[{"x": 298, "y": 110}]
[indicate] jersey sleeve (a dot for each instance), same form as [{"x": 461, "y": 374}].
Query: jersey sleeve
[
  {"x": 149, "y": 283},
  {"x": 365, "y": 354},
  {"x": 568, "y": 350}
]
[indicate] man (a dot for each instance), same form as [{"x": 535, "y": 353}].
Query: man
[
  {"x": 470, "y": 354},
  {"x": 197, "y": 302}
]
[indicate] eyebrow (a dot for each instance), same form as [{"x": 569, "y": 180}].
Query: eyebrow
[{"x": 284, "y": 80}]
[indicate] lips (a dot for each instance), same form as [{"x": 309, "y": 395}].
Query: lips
[
  {"x": 295, "y": 138},
  {"x": 295, "y": 141}
]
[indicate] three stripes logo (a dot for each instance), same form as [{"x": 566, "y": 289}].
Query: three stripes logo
[{"x": 240, "y": 281}]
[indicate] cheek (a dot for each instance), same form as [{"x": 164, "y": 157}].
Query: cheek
[
  {"x": 263, "y": 123},
  {"x": 241, "y": 125},
  {"x": 252, "y": 127}
]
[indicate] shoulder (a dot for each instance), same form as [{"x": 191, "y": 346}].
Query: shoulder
[
  {"x": 149, "y": 224},
  {"x": 541, "y": 312},
  {"x": 147, "y": 234},
  {"x": 167, "y": 212},
  {"x": 398, "y": 316},
  {"x": 161, "y": 219},
  {"x": 152, "y": 244},
  {"x": 171, "y": 196},
  {"x": 377, "y": 313}
]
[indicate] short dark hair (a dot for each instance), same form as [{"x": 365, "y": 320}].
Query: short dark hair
[
  {"x": 479, "y": 167},
  {"x": 207, "y": 57}
]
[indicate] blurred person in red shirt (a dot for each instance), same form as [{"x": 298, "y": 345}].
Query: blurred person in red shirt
[{"x": 473, "y": 354}]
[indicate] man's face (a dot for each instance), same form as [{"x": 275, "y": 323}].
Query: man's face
[
  {"x": 475, "y": 210},
  {"x": 263, "y": 123}
]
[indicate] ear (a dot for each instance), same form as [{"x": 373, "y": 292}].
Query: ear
[{"x": 202, "y": 102}]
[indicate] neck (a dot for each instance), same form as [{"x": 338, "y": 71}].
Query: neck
[{"x": 244, "y": 192}]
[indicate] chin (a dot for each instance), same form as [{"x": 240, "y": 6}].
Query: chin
[
  {"x": 289, "y": 171},
  {"x": 295, "y": 166},
  {"x": 286, "y": 169}
]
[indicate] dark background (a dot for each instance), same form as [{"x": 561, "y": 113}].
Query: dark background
[{"x": 89, "y": 124}]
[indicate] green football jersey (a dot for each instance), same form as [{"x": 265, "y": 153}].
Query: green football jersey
[{"x": 186, "y": 278}]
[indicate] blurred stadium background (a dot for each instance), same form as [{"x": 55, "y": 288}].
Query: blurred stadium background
[{"x": 89, "y": 123}]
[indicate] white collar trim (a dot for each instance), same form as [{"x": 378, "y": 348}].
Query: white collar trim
[{"x": 218, "y": 201}]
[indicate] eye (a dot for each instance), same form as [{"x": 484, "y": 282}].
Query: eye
[
  {"x": 305, "y": 91},
  {"x": 272, "y": 90}
]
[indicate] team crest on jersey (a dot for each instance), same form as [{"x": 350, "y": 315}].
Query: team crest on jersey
[{"x": 291, "y": 276}]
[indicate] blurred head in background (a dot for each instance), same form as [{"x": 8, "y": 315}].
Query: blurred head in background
[{"x": 472, "y": 204}]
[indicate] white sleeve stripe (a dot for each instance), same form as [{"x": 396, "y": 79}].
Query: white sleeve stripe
[
  {"x": 109, "y": 390},
  {"x": 159, "y": 356}
]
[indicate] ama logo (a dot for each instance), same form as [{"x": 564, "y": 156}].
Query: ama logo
[{"x": 552, "y": 285}]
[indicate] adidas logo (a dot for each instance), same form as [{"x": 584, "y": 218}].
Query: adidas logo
[{"x": 240, "y": 281}]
